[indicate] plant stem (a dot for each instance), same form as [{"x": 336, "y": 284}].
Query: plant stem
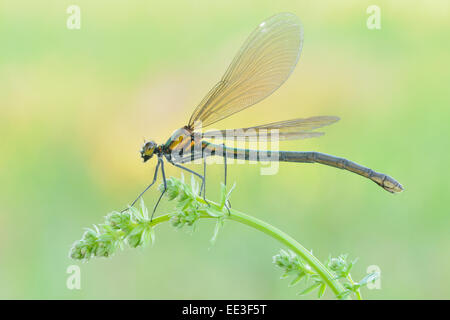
[
  {"x": 357, "y": 292},
  {"x": 275, "y": 233},
  {"x": 291, "y": 243}
]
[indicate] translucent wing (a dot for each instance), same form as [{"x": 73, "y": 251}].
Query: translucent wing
[
  {"x": 286, "y": 130},
  {"x": 264, "y": 62}
]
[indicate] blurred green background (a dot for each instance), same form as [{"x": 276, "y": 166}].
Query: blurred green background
[{"x": 76, "y": 104}]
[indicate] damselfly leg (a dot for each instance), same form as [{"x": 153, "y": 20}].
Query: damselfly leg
[
  {"x": 203, "y": 188},
  {"x": 227, "y": 202},
  {"x": 155, "y": 176},
  {"x": 165, "y": 188}
]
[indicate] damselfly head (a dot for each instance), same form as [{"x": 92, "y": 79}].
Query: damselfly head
[{"x": 148, "y": 149}]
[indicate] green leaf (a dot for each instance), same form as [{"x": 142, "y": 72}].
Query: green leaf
[
  {"x": 144, "y": 209},
  {"x": 309, "y": 289},
  {"x": 284, "y": 275},
  {"x": 146, "y": 236},
  {"x": 223, "y": 195},
  {"x": 322, "y": 289},
  {"x": 344, "y": 294},
  {"x": 137, "y": 230},
  {"x": 219, "y": 224},
  {"x": 213, "y": 212},
  {"x": 297, "y": 279},
  {"x": 229, "y": 192},
  {"x": 194, "y": 186}
]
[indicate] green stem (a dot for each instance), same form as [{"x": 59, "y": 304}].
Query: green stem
[
  {"x": 275, "y": 233},
  {"x": 291, "y": 243},
  {"x": 357, "y": 292}
]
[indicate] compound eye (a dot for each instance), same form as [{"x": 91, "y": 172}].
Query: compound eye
[{"x": 149, "y": 148}]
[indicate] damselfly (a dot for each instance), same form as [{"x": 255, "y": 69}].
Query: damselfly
[{"x": 262, "y": 65}]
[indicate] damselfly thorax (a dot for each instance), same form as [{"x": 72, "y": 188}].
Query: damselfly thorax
[{"x": 181, "y": 143}]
